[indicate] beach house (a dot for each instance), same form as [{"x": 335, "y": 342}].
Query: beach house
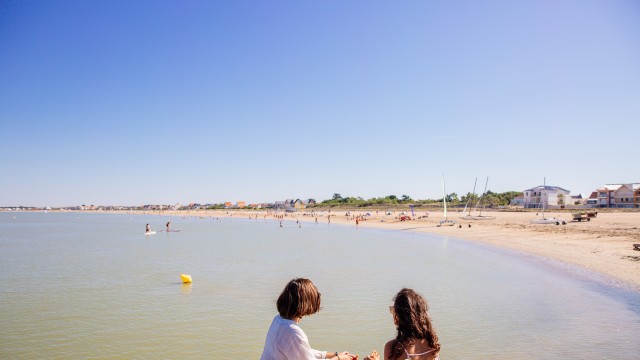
[
  {"x": 298, "y": 204},
  {"x": 576, "y": 200},
  {"x": 618, "y": 196},
  {"x": 289, "y": 205},
  {"x": 547, "y": 197},
  {"x": 279, "y": 205},
  {"x": 517, "y": 201},
  {"x": 308, "y": 202}
]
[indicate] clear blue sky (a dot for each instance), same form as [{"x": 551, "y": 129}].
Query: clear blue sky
[{"x": 137, "y": 102}]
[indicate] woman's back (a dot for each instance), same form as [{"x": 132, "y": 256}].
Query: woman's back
[{"x": 419, "y": 350}]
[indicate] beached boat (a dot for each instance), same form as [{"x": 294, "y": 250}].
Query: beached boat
[
  {"x": 466, "y": 206},
  {"x": 479, "y": 215},
  {"x": 544, "y": 220},
  {"x": 445, "y": 221}
]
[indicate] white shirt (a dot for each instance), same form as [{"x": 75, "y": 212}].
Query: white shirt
[{"x": 287, "y": 341}]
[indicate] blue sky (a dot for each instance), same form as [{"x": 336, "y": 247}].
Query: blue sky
[{"x": 112, "y": 102}]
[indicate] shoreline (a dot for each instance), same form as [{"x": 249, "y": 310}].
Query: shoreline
[{"x": 603, "y": 245}]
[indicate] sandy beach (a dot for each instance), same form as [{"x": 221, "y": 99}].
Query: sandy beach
[{"x": 603, "y": 245}]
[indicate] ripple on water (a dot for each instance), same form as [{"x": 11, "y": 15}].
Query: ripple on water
[{"x": 96, "y": 287}]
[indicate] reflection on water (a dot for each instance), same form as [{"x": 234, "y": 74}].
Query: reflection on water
[
  {"x": 186, "y": 288},
  {"x": 95, "y": 286}
]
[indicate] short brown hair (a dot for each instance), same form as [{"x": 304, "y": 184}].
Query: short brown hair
[{"x": 299, "y": 298}]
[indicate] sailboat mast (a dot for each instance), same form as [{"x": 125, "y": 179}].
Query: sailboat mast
[
  {"x": 469, "y": 199},
  {"x": 444, "y": 198},
  {"x": 481, "y": 196},
  {"x": 480, "y": 200},
  {"x": 544, "y": 192}
]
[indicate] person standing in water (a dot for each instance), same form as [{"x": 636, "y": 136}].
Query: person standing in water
[
  {"x": 147, "y": 229},
  {"x": 168, "y": 226}
]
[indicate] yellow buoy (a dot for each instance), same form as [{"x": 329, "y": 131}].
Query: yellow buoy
[{"x": 185, "y": 278}]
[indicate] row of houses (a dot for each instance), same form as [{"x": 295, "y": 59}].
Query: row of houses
[
  {"x": 291, "y": 204},
  {"x": 616, "y": 196},
  {"x": 287, "y": 205},
  {"x": 607, "y": 196}
]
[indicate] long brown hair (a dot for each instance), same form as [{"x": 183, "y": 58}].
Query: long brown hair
[
  {"x": 413, "y": 322},
  {"x": 298, "y": 298}
]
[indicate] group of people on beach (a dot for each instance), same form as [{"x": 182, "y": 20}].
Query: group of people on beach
[{"x": 415, "y": 339}]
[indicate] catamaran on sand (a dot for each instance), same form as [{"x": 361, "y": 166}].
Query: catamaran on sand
[
  {"x": 543, "y": 201},
  {"x": 479, "y": 215},
  {"x": 445, "y": 221}
]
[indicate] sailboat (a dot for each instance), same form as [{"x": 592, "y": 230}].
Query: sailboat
[
  {"x": 545, "y": 220},
  {"x": 479, "y": 216},
  {"x": 445, "y": 221},
  {"x": 473, "y": 194}
]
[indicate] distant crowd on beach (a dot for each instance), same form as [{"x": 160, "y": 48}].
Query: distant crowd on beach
[
  {"x": 280, "y": 217},
  {"x": 415, "y": 338}
]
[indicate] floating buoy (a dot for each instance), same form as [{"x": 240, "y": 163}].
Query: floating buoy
[{"x": 186, "y": 278}]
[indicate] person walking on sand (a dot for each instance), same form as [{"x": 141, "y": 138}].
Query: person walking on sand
[
  {"x": 415, "y": 339},
  {"x": 286, "y": 340}
]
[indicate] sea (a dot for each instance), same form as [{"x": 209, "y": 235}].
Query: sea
[{"x": 93, "y": 285}]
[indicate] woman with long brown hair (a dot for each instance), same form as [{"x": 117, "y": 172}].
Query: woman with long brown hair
[{"x": 415, "y": 339}]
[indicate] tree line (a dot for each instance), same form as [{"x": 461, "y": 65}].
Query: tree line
[{"x": 488, "y": 199}]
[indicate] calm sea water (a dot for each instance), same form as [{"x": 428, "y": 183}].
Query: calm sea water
[{"x": 94, "y": 286}]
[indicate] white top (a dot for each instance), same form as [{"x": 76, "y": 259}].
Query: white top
[{"x": 287, "y": 341}]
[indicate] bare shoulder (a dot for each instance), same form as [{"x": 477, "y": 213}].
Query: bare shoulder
[{"x": 387, "y": 349}]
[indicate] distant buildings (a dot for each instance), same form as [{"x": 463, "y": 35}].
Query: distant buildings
[
  {"x": 518, "y": 200},
  {"x": 616, "y": 196},
  {"x": 547, "y": 197},
  {"x": 293, "y": 205}
]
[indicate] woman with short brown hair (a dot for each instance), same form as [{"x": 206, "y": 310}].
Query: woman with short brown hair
[{"x": 285, "y": 339}]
